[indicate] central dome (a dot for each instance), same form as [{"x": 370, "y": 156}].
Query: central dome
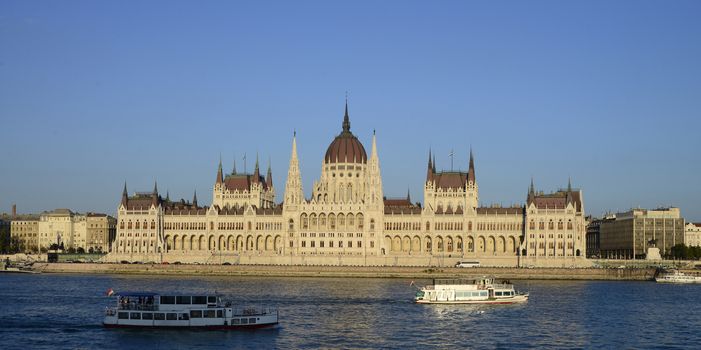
[{"x": 346, "y": 148}]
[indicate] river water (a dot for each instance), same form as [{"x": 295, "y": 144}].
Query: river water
[{"x": 53, "y": 311}]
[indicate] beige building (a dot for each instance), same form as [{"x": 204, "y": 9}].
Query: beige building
[
  {"x": 101, "y": 230},
  {"x": 26, "y": 230},
  {"x": 692, "y": 234},
  {"x": 349, "y": 221},
  {"x": 630, "y": 234}
]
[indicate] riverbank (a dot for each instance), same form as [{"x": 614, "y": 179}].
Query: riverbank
[{"x": 642, "y": 274}]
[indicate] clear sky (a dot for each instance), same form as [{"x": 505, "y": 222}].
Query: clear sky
[{"x": 93, "y": 93}]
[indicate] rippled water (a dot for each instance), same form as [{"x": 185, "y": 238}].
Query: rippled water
[{"x": 65, "y": 311}]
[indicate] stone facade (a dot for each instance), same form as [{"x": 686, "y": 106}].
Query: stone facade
[
  {"x": 74, "y": 230},
  {"x": 349, "y": 221},
  {"x": 692, "y": 234},
  {"x": 26, "y": 231},
  {"x": 629, "y": 234},
  {"x": 101, "y": 230}
]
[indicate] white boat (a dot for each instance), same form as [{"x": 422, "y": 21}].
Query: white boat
[
  {"x": 674, "y": 276},
  {"x": 151, "y": 310},
  {"x": 461, "y": 291}
]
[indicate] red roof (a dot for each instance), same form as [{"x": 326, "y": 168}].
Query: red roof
[{"x": 447, "y": 180}]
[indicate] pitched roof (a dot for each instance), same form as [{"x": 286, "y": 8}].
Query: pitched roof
[
  {"x": 500, "y": 211},
  {"x": 450, "y": 179}
]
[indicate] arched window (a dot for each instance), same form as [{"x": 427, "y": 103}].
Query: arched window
[
  {"x": 292, "y": 224},
  {"x": 559, "y": 225},
  {"x": 372, "y": 224},
  {"x": 569, "y": 224},
  {"x": 129, "y": 225},
  {"x": 551, "y": 225},
  {"x": 531, "y": 225}
]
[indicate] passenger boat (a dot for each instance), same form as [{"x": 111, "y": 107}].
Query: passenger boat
[
  {"x": 674, "y": 276},
  {"x": 461, "y": 291},
  {"x": 146, "y": 310}
]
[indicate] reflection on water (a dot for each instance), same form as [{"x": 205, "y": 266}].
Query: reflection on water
[{"x": 65, "y": 311}]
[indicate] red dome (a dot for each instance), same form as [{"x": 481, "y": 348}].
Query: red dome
[{"x": 346, "y": 148}]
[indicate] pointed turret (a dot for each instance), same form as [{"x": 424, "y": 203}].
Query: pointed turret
[
  {"x": 346, "y": 119},
  {"x": 233, "y": 171},
  {"x": 471, "y": 170},
  {"x": 408, "y": 195},
  {"x": 434, "y": 164},
  {"x": 194, "y": 199},
  {"x": 293, "y": 187},
  {"x": 154, "y": 195},
  {"x": 531, "y": 193},
  {"x": 167, "y": 196},
  {"x": 125, "y": 195},
  {"x": 220, "y": 174},
  {"x": 256, "y": 172},
  {"x": 569, "y": 191},
  {"x": 429, "y": 171},
  {"x": 269, "y": 176}
]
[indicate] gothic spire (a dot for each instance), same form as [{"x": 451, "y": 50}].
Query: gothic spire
[
  {"x": 167, "y": 196},
  {"x": 233, "y": 171},
  {"x": 471, "y": 170},
  {"x": 220, "y": 174},
  {"x": 408, "y": 195},
  {"x": 346, "y": 119},
  {"x": 256, "y": 172},
  {"x": 269, "y": 176},
  {"x": 154, "y": 195},
  {"x": 569, "y": 190},
  {"x": 194, "y": 199},
  {"x": 429, "y": 171},
  {"x": 125, "y": 195},
  {"x": 531, "y": 193}
]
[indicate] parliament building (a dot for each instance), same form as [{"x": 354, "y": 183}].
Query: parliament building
[{"x": 349, "y": 221}]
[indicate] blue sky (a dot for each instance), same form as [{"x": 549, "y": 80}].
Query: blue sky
[{"x": 95, "y": 93}]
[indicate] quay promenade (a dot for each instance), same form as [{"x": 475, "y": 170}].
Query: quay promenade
[{"x": 639, "y": 274}]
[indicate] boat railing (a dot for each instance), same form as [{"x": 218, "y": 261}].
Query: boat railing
[
  {"x": 503, "y": 286},
  {"x": 253, "y": 310},
  {"x": 139, "y": 307}
]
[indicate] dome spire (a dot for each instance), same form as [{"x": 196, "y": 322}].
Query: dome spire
[{"x": 346, "y": 120}]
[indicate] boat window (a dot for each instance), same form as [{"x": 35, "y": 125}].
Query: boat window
[
  {"x": 196, "y": 313},
  {"x": 209, "y": 313},
  {"x": 159, "y": 316},
  {"x": 184, "y": 317},
  {"x": 199, "y": 300},
  {"x": 220, "y": 313},
  {"x": 211, "y": 299},
  {"x": 498, "y": 294},
  {"x": 235, "y": 321},
  {"x": 167, "y": 300},
  {"x": 244, "y": 321},
  {"x": 147, "y": 316},
  {"x": 135, "y": 316},
  {"x": 484, "y": 293},
  {"x": 171, "y": 316},
  {"x": 252, "y": 320},
  {"x": 123, "y": 315},
  {"x": 183, "y": 299}
]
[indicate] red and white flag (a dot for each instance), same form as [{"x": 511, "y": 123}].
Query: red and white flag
[{"x": 110, "y": 292}]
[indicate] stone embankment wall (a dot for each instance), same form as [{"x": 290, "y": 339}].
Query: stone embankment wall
[{"x": 355, "y": 271}]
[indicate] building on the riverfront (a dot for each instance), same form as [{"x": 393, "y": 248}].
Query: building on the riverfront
[
  {"x": 349, "y": 221},
  {"x": 101, "y": 229},
  {"x": 66, "y": 228},
  {"x": 630, "y": 234},
  {"x": 692, "y": 234},
  {"x": 25, "y": 229},
  {"x": 594, "y": 235}
]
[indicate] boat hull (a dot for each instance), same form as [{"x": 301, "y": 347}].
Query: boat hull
[
  {"x": 209, "y": 327},
  {"x": 514, "y": 300}
]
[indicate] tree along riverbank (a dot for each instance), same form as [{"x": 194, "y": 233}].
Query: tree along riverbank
[{"x": 617, "y": 274}]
